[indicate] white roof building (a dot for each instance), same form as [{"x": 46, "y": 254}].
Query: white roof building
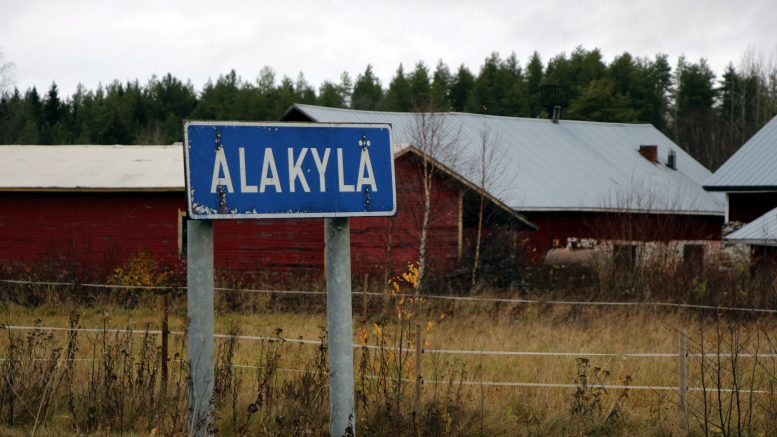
[{"x": 91, "y": 168}]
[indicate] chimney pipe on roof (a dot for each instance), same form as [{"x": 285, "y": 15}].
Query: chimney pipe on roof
[
  {"x": 671, "y": 160},
  {"x": 650, "y": 153},
  {"x": 556, "y": 114}
]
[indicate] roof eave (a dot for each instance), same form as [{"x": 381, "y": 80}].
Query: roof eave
[
  {"x": 295, "y": 109},
  {"x": 752, "y": 241},
  {"x": 621, "y": 210},
  {"x": 740, "y": 188},
  {"x": 512, "y": 212}
]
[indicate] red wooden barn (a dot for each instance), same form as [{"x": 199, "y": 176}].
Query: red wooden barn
[
  {"x": 576, "y": 180},
  {"x": 96, "y": 205},
  {"x": 89, "y": 208}
]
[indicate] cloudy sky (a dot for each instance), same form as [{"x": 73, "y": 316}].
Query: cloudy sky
[{"x": 94, "y": 42}]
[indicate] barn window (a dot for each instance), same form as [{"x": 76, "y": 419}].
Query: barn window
[
  {"x": 182, "y": 234},
  {"x": 763, "y": 259},
  {"x": 624, "y": 256},
  {"x": 693, "y": 257}
]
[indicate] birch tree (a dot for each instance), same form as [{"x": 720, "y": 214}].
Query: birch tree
[
  {"x": 486, "y": 160},
  {"x": 492, "y": 179},
  {"x": 431, "y": 135},
  {"x": 435, "y": 142}
]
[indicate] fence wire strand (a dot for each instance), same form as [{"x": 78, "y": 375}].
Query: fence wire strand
[
  {"x": 482, "y": 383},
  {"x": 423, "y": 296},
  {"x": 388, "y": 348}
]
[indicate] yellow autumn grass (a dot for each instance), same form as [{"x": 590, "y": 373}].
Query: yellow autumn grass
[{"x": 507, "y": 410}]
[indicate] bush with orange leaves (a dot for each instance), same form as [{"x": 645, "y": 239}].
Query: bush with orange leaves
[
  {"x": 385, "y": 380},
  {"x": 141, "y": 270}
]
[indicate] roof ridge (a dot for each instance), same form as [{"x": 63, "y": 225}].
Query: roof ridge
[{"x": 467, "y": 114}]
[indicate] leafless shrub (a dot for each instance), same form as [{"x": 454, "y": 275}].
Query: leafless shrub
[{"x": 589, "y": 411}]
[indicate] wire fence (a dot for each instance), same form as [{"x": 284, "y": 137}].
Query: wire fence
[
  {"x": 473, "y": 299},
  {"x": 681, "y": 355},
  {"x": 484, "y": 383},
  {"x": 396, "y": 349}
]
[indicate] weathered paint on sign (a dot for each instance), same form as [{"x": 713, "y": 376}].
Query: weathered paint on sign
[{"x": 287, "y": 170}]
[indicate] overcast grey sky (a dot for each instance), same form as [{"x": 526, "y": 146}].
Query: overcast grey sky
[{"x": 95, "y": 42}]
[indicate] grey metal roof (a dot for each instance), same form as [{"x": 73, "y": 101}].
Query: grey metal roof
[
  {"x": 572, "y": 165},
  {"x": 91, "y": 167},
  {"x": 752, "y": 167},
  {"x": 761, "y": 231}
]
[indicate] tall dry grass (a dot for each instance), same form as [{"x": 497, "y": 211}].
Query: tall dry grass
[
  {"x": 113, "y": 386},
  {"x": 110, "y": 383}
]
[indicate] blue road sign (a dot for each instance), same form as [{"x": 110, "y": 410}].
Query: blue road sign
[{"x": 288, "y": 170}]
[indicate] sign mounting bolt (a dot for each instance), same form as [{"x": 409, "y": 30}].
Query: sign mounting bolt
[
  {"x": 367, "y": 200},
  {"x": 364, "y": 143},
  {"x": 218, "y": 140},
  {"x": 222, "y": 200}
]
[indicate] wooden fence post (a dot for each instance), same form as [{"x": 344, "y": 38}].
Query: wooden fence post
[
  {"x": 682, "y": 368},
  {"x": 419, "y": 349},
  {"x": 364, "y": 296},
  {"x": 165, "y": 336}
]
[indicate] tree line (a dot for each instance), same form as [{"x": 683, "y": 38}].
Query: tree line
[{"x": 709, "y": 116}]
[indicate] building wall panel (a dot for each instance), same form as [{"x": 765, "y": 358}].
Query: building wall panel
[
  {"x": 556, "y": 228},
  {"x": 95, "y": 231},
  {"x": 100, "y": 231}
]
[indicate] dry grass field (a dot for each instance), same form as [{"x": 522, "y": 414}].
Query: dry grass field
[{"x": 107, "y": 383}]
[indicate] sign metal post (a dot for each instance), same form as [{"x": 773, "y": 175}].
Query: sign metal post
[
  {"x": 342, "y": 411},
  {"x": 199, "y": 303}
]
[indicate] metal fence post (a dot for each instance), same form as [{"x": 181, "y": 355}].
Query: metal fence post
[
  {"x": 199, "y": 279},
  {"x": 342, "y": 411},
  {"x": 682, "y": 368}
]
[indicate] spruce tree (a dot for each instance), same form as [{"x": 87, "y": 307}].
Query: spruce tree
[
  {"x": 367, "y": 92},
  {"x": 398, "y": 97}
]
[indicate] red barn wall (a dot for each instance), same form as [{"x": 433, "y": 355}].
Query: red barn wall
[
  {"x": 97, "y": 231},
  {"x": 556, "y": 227},
  {"x": 379, "y": 245},
  {"x": 370, "y": 236},
  {"x": 270, "y": 246},
  {"x": 87, "y": 231}
]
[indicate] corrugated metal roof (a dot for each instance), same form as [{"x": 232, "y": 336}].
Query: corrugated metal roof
[
  {"x": 752, "y": 167},
  {"x": 761, "y": 231},
  {"x": 571, "y": 165},
  {"x": 91, "y": 167}
]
